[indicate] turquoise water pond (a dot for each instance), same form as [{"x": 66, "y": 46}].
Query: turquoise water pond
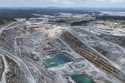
[
  {"x": 81, "y": 79},
  {"x": 57, "y": 59}
]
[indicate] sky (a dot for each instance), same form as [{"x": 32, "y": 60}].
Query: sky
[{"x": 63, "y": 3}]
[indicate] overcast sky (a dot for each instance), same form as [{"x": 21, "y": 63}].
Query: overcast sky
[{"x": 64, "y": 3}]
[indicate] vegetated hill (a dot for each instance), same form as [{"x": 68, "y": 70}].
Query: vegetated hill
[
  {"x": 8, "y": 14},
  {"x": 106, "y": 17}
]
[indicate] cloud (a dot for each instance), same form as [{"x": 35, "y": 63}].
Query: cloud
[{"x": 60, "y": 2}]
